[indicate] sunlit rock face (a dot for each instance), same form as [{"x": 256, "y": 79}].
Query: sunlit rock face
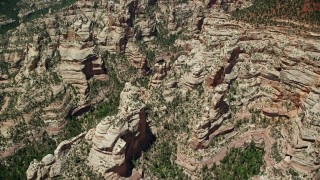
[{"x": 118, "y": 138}]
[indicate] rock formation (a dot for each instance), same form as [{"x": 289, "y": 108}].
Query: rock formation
[
  {"x": 115, "y": 141},
  {"x": 118, "y": 138},
  {"x": 52, "y": 165},
  {"x": 197, "y": 79}
]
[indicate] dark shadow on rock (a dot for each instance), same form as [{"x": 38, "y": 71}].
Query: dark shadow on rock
[
  {"x": 144, "y": 146},
  {"x": 200, "y": 24}
]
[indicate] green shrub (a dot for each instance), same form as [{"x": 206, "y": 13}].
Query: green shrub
[
  {"x": 4, "y": 67},
  {"x": 275, "y": 152},
  {"x": 240, "y": 163}
]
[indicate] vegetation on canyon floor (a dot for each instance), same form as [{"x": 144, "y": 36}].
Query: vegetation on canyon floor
[
  {"x": 269, "y": 12},
  {"x": 239, "y": 163},
  {"x": 11, "y": 8},
  {"x": 159, "y": 158},
  {"x": 15, "y": 167}
]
